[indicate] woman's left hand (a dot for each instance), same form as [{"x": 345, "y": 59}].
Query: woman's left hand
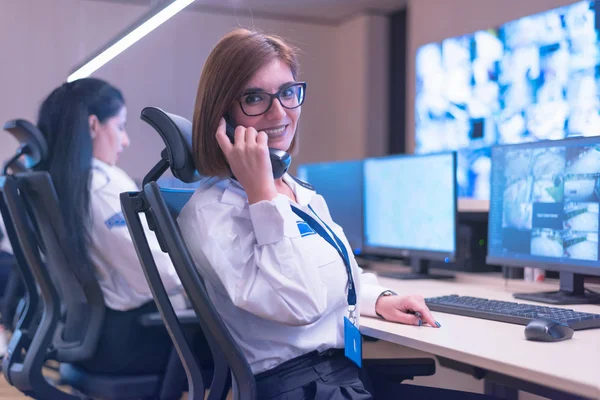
[{"x": 409, "y": 310}]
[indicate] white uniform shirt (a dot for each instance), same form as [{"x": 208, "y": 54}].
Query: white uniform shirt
[
  {"x": 117, "y": 266},
  {"x": 281, "y": 293}
]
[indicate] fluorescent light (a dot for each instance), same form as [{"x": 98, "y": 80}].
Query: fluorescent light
[{"x": 147, "y": 24}]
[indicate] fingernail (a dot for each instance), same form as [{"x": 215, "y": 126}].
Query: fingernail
[
  {"x": 438, "y": 324},
  {"x": 418, "y": 314},
  {"x": 420, "y": 322}
]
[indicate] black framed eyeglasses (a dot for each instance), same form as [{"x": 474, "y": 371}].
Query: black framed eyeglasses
[{"x": 256, "y": 103}]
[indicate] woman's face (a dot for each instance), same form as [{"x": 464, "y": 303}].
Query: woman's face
[
  {"x": 109, "y": 138},
  {"x": 278, "y": 123}
]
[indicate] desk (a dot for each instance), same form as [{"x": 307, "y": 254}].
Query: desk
[{"x": 571, "y": 366}]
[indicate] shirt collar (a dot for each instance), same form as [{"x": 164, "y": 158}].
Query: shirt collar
[
  {"x": 303, "y": 195},
  {"x": 96, "y": 163}
]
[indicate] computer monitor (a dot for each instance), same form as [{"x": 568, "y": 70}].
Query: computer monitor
[
  {"x": 410, "y": 209},
  {"x": 544, "y": 212},
  {"x": 340, "y": 183}
]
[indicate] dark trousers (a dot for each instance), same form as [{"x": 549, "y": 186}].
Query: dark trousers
[
  {"x": 127, "y": 348},
  {"x": 328, "y": 375},
  {"x": 331, "y": 376}
]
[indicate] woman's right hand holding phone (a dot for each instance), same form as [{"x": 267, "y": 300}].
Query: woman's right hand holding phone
[{"x": 249, "y": 161}]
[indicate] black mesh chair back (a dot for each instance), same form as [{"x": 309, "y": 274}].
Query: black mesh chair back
[
  {"x": 24, "y": 360},
  {"x": 32, "y": 343},
  {"x": 73, "y": 304},
  {"x": 80, "y": 296},
  {"x": 27, "y": 313},
  {"x": 161, "y": 208},
  {"x": 33, "y": 149}
]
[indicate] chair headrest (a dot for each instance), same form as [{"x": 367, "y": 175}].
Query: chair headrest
[
  {"x": 32, "y": 140},
  {"x": 176, "y": 133}
]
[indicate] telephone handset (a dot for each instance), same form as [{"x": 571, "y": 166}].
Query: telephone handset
[{"x": 280, "y": 160}]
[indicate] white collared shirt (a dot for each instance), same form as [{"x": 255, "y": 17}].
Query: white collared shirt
[
  {"x": 281, "y": 293},
  {"x": 117, "y": 266}
]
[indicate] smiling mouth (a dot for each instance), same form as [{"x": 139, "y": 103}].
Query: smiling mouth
[{"x": 275, "y": 133}]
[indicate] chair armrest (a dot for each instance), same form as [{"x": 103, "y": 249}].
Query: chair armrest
[{"x": 185, "y": 317}]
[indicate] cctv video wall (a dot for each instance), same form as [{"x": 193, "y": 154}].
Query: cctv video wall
[
  {"x": 531, "y": 79},
  {"x": 545, "y": 202}
]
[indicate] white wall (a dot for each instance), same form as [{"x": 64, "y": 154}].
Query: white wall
[
  {"x": 434, "y": 20},
  {"x": 40, "y": 41}
]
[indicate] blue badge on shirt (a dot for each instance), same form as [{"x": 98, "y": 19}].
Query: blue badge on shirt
[
  {"x": 352, "y": 342},
  {"x": 115, "y": 220},
  {"x": 305, "y": 229}
]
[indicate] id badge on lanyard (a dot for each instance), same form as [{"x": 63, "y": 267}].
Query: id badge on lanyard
[{"x": 352, "y": 337}]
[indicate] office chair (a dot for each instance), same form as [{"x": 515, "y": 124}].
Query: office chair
[
  {"x": 73, "y": 304},
  {"x": 161, "y": 207},
  {"x": 26, "y": 315}
]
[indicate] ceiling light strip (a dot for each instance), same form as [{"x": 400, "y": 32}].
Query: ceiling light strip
[{"x": 147, "y": 23}]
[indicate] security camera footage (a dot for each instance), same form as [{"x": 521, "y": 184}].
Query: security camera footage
[
  {"x": 545, "y": 200},
  {"x": 532, "y": 79}
]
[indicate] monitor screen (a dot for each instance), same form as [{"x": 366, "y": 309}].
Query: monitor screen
[
  {"x": 340, "y": 184},
  {"x": 544, "y": 204},
  {"x": 410, "y": 205},
  {"x": 535, "y": 78}
]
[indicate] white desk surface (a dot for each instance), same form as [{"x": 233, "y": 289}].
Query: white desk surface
[{"x": 572, "y": 366}]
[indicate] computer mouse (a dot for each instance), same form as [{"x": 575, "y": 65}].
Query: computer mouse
[{"x": 547, "y": 330}]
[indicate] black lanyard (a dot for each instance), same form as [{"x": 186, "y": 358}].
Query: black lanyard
[{"x": 337, "y": 244}]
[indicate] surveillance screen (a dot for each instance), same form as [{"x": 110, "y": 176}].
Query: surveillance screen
[
  {"x": 545, "y": 200},
  {"x": 532, "y": 79},
  {"x": 410, "y": 203}
]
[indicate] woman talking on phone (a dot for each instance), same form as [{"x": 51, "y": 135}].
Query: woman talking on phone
[{"x": 277, "y": 267}]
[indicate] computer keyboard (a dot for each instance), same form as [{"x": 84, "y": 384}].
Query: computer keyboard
[{"x": 507, "y": 311}]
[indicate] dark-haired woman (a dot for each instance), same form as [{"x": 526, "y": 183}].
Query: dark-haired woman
[{"x": 84, "y": 125}]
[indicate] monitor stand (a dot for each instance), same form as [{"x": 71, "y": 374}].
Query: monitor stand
[
  {"x": 572, "y": 291},
  {"x": 420, "y": 270}
]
